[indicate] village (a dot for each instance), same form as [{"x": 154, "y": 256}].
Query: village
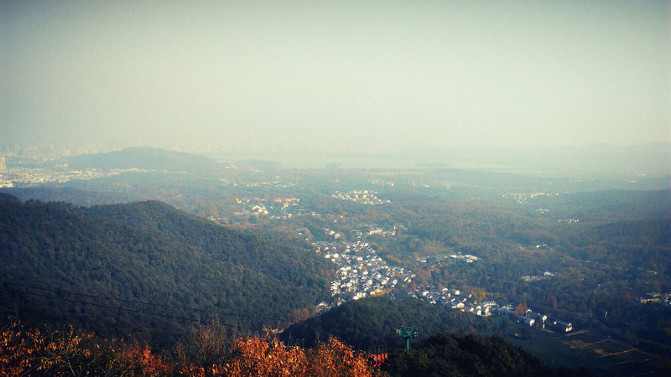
[
  {"x": 362, "y": 273},
  {"x": 365, "y": 197},
  {"x": 29, "y": 177}
]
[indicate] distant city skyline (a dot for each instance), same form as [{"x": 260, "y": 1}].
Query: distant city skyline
[{"x": 321, "y": 77}]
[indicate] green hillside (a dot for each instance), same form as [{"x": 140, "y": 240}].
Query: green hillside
[
  {"x": 371, "y": 323},
  {"x": 469, "y": 355},
  {"x": 146, "y": 269}
]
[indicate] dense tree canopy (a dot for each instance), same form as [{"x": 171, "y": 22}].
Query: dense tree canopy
[{"x": 148, "y": 269}]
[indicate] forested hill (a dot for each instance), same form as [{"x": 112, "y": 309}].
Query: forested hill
[
  {"x": 470, "y": 355},
  {"x": 273, "y": 259},
  {"x": 146, "y": 268},
  {"x": 370, "y": 323},
  {"x": 144, "y": 158}
]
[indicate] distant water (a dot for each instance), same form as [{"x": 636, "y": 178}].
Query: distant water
[
  {"x": 583, "y": 162},
  {"x": 357, "y": 161}
]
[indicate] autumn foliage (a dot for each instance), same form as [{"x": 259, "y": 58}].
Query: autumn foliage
[{"x": 73, "y": 353}]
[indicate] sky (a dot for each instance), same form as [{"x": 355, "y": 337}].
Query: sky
[{"x": 335, "y": 76}]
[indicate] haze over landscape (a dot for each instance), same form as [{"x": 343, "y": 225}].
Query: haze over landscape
[
  {"x": 367, "y": 188},
  {"x": 323, "y": 77}
]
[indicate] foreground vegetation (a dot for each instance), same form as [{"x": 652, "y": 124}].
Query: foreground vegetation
[
  {"x": 26, "y": 351},
  {"x": 209, "y": 352}
]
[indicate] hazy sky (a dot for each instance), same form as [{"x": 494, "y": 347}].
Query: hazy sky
[{"x": 336, "y": 75}]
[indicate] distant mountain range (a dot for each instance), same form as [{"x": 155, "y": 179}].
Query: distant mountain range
[
  {"x": 591, "y": 161},
  {"x": 144, "y": 158}
]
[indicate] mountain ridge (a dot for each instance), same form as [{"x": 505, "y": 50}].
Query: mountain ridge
[{"x": 60, "y": 261}]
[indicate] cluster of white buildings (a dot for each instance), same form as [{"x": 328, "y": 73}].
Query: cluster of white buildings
[
  {"x": 454, "y": 298},
  {"x": 468, "y": 258},
  {"x": 36, "y": 176},
  {"x": 361, "y": 271},
  {"x": 457, "y": 300},
  {"x": 533, "y": 278},
  {"x": 244, "y": 182},
  {"x": 533, "y": 319},
  {"x": 524, "y": 197},
  {"x": 360, "y": 196},
  {"x": 4, "y": 182},
  {"x": 280, "y": 208}
]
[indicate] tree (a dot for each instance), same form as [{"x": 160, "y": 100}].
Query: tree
[{"x": 520, "y": 309}]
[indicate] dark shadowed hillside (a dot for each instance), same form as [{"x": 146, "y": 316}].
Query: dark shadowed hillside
[
  {"x": 371, "y": 323},
  {"x": 470, "y": 355},
  {"x": 147, "y": 269}
]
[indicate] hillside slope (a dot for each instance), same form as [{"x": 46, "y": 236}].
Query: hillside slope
[
  {"x": 371, "y": 323},
  {"x": 146, "y": 268}
]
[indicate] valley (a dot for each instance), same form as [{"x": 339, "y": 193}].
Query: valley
[{"x": 552, "y": 264}]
